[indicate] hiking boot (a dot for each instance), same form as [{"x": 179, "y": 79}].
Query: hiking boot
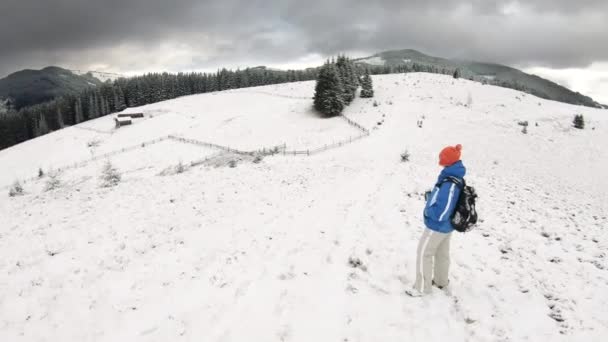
[
  {"x": 445, "y": 289},
  {"x": 441, "y": 287},
  {"x": 414, "y": 293}
]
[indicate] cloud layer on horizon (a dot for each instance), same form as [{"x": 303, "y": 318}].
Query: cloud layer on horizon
[{"x": 145, "y": 35}]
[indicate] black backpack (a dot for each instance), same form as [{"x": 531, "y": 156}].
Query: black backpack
[{"x": 464, "y": 216}]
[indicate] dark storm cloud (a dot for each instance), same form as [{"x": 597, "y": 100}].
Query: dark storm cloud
[{"x": 536, "y": 32}]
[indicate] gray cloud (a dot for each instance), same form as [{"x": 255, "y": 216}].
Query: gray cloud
[{"x": 190, "y": 34}]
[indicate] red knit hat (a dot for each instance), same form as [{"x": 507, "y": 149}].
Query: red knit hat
[{"x": 450, "y": 155}]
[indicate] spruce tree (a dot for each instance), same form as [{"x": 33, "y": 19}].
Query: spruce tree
[
  {"x": 579, "y": 121},
  {"x": 346, "y": 76},
  {"x": 367, "y": 89},
  {"x": 119, "y": 99},
  {"x": 16, "y": 189},
  {"x": 93, "y": 107},
  {"x": 354, "y": 77},
  {"x": 60, "y": 122},
  {"x": 43, "y": 128},
  {"x": 110, "y": 176},
  {"x": 78, "y": 117},
  {"x": 457, "y": 74},
  {"x": 329, "y": 91}
]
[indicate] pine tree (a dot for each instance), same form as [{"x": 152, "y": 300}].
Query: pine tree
[
  {"x": 367, "y": 89},
  {"x": 119, "y": 99},
  {"x": 60, "y": 122},
  {"x": 54, "y": 181},
  {"x": 457, "y": 74},
  {"x": 78, "y": 118},
  {"x": 109, "y": 175},
  {"x": 355, "y": 81},
  {"x": 329, "y": 91},
  {"x": 579, "y": 121},
  {"x": 346, "y": 76},
  {"x": 43, "y": 128},
  {"x": 16, "y": 189},
  {"x": 92, "y": 106}
]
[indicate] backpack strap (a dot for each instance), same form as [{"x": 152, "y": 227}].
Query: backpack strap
[{"x": 460, "y": 182}]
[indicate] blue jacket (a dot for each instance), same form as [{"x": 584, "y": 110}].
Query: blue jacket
[{"x": 442, "y": 202}]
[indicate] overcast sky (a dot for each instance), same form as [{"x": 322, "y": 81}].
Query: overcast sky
[{"x": 564, "y": 40}]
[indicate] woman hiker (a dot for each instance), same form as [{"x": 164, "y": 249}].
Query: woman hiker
[{"x": 433, "y": 254}]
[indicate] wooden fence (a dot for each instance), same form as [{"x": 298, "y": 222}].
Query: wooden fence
[
  {"x": 92, "y": 129},
  {"x": 279, "y": 149},
  {"x": 364, "y": 132}
]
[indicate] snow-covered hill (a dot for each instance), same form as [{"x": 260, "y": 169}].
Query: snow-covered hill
[
  {"x": 260, "y": 251},
  {"x": 100, "y": 75}
]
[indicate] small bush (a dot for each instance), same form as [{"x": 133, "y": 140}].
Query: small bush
[
  {"x": 53, "y": 181},
  {"x": 40, "y": 173},
  {"x": 355, "y": 262},
  {"x": 93, "y": 143},
  {"x": 524, "y": 130},
  {"x": 376, "y": 104},
  {"x": 579, "y": 121},
  {"x": 232, "y": 163},
  {"x": 523, "y": 123},
  {"x": 405, "y": 156},
  {"x": 180, "y": 167},
  {"x": 258, "y": 159},
  {"x": 109, "y": 175},
  {"x": 15, "y": 190}
]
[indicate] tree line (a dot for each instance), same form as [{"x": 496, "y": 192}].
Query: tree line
[{"x": 111, "y": 97}]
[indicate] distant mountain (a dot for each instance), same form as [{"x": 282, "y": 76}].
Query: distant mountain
[
  {"x": 496, "y": 74},
  {"x": 29, "y": 87}
]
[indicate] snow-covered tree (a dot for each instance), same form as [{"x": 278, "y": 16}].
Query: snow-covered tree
[
  {"x": 348, "y": 76},
  {"x": 329, "y": 91},
  {"x": 16, "y": 189},
  {"x": 119, "y": 99},
  {"x": 60, "y": 122},
  {"x": 367, "y": 88},
  {"x": 53, "y": 181},
  {"x": 457, "y": 73},
  {"x": 109, "y": 175},
  {"x": 78, "y": 117},
  {"x": 43, "y": 128},
  {"x": 579, "y": 121}
]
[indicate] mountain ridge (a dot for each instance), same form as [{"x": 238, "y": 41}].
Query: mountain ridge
[
  {"x": 30, "y": 87},
  {"x": 485, "y": 72}
]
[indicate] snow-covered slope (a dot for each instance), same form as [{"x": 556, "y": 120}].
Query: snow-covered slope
[{"x": 260, "y": 252}]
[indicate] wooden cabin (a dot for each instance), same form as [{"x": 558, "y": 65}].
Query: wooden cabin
[
  {"x": 131, "y": 115},
  {"x": 122, "y": 122}
]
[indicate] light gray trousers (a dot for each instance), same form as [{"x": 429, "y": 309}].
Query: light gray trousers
[{"x": 432, "y": 260}]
